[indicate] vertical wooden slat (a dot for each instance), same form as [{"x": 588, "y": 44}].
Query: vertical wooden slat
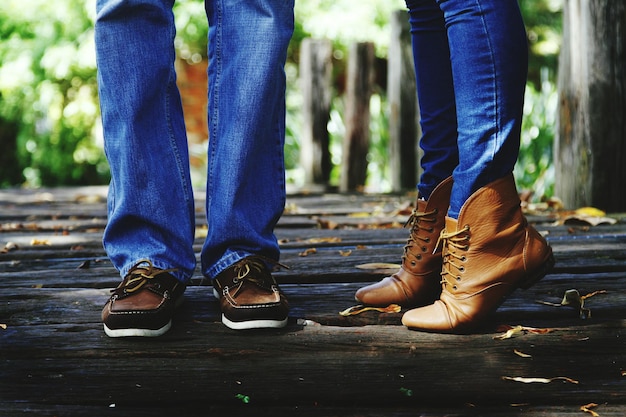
[
  {"x": 315, "y": 81},
  {"x": 360, "y": 79},
  {"x": 404, "y": 128}
]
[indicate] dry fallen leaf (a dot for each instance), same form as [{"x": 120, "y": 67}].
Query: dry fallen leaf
[
  {"x": 354, "y": 310},
  {"x": 318, "y": 240},
  {"x": 40, "y": 242},
  {"x": 345, "y": 252},
  {"x": 539, "y": 380},
  {"x": 511, "y": 331},
  {"x": 587, "y": 408},
  {"x": 521, "y": 354},
  {"x": 308, "y": 252},
  {"x": 327, "y": 224},
  {"x": 572, "y": 298},
  {"x": 3, "y": 326},
  {"x": 10, "y": 246},
  {"x": 585, "y": 215}
]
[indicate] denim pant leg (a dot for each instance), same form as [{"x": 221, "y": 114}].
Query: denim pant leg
[
  {"x": 246, "y": 111},
  {"x": 435, "y": 90},
  {"x": 489, "y": 56},
  {"x": 150, "y": 206}
]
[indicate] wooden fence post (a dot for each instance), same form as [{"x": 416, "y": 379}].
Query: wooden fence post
[
  {"x": 404, "y": 128},
  {"x": 359, "y": 85},
  {"x": 590, "y": 146},
  {"x": 315, "y": 81}
]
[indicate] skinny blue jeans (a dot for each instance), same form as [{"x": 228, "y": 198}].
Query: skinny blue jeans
[
  {"x": 471, "y": 64},
  {"x": 151, "y": 214}
]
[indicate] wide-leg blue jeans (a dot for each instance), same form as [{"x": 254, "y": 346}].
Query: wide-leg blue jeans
[
  {"x": 151, "y": 203},
  {"x": 471, "y": 63}
]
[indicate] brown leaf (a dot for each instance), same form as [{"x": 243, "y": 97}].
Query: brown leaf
[
  {"x": 327, "y": 224},
  {"x": 9, "y": 247},
  {"x": 307, "y": 252},
  {"x": 512, "y": 331},
  {"x": 318, "y": 240},
  {"x": 358, "y": 309},
  {"x": 587, "y": 408},
  {"x": 345, "y": 252}
]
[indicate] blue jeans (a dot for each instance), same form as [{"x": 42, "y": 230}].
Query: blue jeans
[
  {"x": 471, "y": 63},
  {"x": 151, "y": 202}
]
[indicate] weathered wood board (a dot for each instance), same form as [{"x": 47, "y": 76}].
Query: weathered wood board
[{"x": 56, "y": 361}]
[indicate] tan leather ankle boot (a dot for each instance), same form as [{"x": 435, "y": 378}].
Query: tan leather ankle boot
[
  {"x": 487, "y": 253},
  {"x": 417, "y": 281}
]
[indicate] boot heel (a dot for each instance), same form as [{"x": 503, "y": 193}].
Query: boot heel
[{"x": 538, "y": 274}]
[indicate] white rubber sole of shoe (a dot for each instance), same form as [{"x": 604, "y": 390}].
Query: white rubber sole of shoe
[
  {"x": 137, "y": 332},
  {"x": 254, "y": 324},
  {"x": 251, "y": 324}
]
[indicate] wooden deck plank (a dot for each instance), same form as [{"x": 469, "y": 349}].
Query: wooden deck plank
[{"x": 59, "y": 362}]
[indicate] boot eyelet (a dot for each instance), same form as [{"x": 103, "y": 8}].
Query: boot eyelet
[
  {"x": 458, "y": 278},
  {"x": 424, "y": 249},
  {"x": 413, "y": 263},
  {"x": 463, "y": 259},
  {"x": 454, "y": 288},
  {"x": 427, "y": 240},
  {"x": 461, "y": 269},
  {"x": 419, "y": 258}
]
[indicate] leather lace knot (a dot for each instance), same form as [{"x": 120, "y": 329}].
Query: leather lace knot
[
  {"x": 416, "y": 221},
  {"x": 454, "y": 244}
]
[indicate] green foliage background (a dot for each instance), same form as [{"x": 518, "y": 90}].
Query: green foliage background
[{"x": 49, "y": 120}]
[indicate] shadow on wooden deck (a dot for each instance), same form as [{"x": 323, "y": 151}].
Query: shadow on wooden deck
[{"x": 56, "y": 361}]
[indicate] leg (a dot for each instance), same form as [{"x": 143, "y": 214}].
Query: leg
[
  {"x": 150, "y": 231},
  {"x": 489, "y": 56},
  {"x": 151, "y": 213},
  {"x": 489, "y": 249},
  {"x": 246, "y": 181},
  {"x": 417, "y": 281},
  {"x": 435, "y": 90}
]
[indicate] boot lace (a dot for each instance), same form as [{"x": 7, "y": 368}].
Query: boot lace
[
  {"x": 416, "y": 222},
  {"x": 453, "y": 243},
  {"x": 139, "y": 276}
]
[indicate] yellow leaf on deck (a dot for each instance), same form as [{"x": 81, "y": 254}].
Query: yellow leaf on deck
[
  {"x": 308, "y": 252},
  {"x": 40, "y": 242},
  {"x": 590, "y": 211}
]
